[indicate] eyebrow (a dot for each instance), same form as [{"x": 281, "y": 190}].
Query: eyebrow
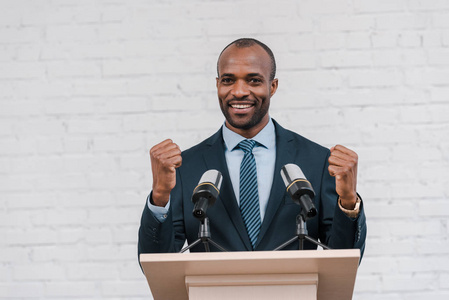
[
  {"x": 227, "y": 75},
  {"x": 255, "y": 75},
  {"x": 249, "y": 75}
]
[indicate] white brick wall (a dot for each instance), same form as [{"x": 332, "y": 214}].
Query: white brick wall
[{"x": 87, "y": 87}]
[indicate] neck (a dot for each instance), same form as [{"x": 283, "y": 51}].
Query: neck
[{"x": 250, "y": 132}]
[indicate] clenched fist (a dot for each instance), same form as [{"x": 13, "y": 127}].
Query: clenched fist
[
  {"x": 165, "y": 158},
  {"x": 343, "y": 166}
]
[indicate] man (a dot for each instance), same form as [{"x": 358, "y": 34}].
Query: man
[{"x": 245, "y": 84}]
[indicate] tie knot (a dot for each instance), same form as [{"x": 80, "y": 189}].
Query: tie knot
[{"x": 247, "y": 146}]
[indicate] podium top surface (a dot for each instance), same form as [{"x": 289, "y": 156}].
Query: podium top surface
[{"x": 336, "y": 269}]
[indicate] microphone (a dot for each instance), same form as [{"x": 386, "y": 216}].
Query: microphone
[
  {"x": 299, "y": 189},
  {"x": 206, "y": 192}
]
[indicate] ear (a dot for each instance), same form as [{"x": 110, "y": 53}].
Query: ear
[
  {"x": 216, "y": 82},
  {"x": 273, "y": 86}
]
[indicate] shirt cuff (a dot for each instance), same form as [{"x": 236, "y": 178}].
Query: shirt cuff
[
  {"x": 351, "y": 213},
  {"x": 160, "y": 213}
]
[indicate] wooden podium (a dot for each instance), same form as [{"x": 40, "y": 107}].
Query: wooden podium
[{"x": 285, "y": 275}]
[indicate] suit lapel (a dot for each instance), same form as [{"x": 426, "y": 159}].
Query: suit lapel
[
  {"x": 215, "y": 159},
  {"x": 285, "y": 154}
]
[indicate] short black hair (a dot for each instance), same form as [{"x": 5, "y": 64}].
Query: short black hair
[{"x": 248, "y": 42}]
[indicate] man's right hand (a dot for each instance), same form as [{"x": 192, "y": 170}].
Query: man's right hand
[{"x": 165, "y": 158}]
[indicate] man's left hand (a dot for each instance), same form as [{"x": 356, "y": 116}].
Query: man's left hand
[{"x": 343, "y": 166}]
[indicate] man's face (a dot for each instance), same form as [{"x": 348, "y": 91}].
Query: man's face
[{"x": 244, "y": 88}]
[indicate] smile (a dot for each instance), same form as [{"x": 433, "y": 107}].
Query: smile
[{"x": 241, "y": 106}]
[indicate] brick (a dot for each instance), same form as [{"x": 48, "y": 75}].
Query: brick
[
  {"x": 180, "y": 102},
  {"x": 378, "y": 78},
  {"x": 38, "y": 271},
  {"x": 100, "y": 88},
  {"x": 403, "y": 21},
  {"x": 126, "y": 235},
  {"x": 365, "y": 283},
  {"x": 302, "y": 42},
  {"x": 350, "y": 59},
  {"x": 387, "y": 58},
  {"x": 159, "y": 85},
  {"x": 435, "y": 208},
  {"x": 415, "y": 114},
  {"x": 120, "y": 144},
  {"x": 409, "y": 283},
  {"x": 60, "y": 217},
  {"x": 72, "y": 33},
  {"x": 412, "y": 39},
  {"x": 13, "y": 254},
  {"x": 439, "y": 57},
  {"x": 438, "y": 94},
  {"x": 391, "y": 210},
  {"x": 432, "y": 38},
  {"x": 21, "y": 200},
  {"x": 384, "y": 39},
  {"x": 414, "y": 58},
  {"x": 434, "y": 294},
  {"x": 73, "y": 69},
  {"x": 128, "y": 270},
  {"x": 72, "y": 289},
  {"x": 330, "y": 41},
  {"x": 126, "y": 288},
  {"x": 119, "y": 253},
  {"x": 440, "y": 20},
  {"x": 445, "y": 38},
  {"x": 71, "y": 236},
  {"x": 100, "y": 236},
  {"x": 345, "y": 23},
  {"x": 422, "y": 264},
  {"x": 426, "y": 5},
  {"x": 91, "y": 271},
  {"x": 357, "y": 40},
  {"x": 325, "y": 7},
  {"x": 31, "y": 237},
  {"x": 444, "y": 281},
  {"x": 58, "y": 253},
  {"x": 433, "y": 247},
  {"x": 21, "y": 290},
  {"x": 419, "y": 228},
  {"x": 389, "y": 246},
  {"x": 21, "y": 70},
  {"x": 367, "y": 6},
  {"x": 20, "y": 35},
  {"x": 413, "y": 153},
  {"x": 5, "y": 273},
  {"x": 87, "y": 125}
]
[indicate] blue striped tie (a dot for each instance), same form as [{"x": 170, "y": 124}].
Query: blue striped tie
[{"x": 249, "y": 194}]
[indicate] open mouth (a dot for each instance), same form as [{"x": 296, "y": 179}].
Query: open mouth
[{"x": 241, "y": 106}]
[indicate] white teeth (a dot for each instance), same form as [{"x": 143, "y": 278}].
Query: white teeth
[{"x": 241, "y": 106}]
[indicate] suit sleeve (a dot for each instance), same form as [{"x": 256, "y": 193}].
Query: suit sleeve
[
  {"x": 337, "y": 229},
  {"x": 167, "y": 236}
]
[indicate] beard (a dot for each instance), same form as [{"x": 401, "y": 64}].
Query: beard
[{"x": 244, "y": 122}]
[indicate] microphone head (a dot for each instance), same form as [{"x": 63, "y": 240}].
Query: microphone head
[
  {"x": 206, "y": 192},
  {"x": 291, "y": 172},
  {"x": 299, "y": 189},
  {"x": 212, "y": 176}
]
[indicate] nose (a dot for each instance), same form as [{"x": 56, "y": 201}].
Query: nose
[{"x": 240, "y": 89}]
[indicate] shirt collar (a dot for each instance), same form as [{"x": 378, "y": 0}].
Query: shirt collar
[{"x": 266, "y": 137}]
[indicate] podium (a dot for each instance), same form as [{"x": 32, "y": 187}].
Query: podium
[{"x": 285, "y": 275}]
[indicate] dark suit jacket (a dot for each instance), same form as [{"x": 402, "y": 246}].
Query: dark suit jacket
[{"x": 331, "y": 225}]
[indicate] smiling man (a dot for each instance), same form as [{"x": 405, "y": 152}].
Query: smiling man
[{"x": 253, "y": 211}]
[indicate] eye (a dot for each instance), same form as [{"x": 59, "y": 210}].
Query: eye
[
  {"x": 226, "y": 80},
  {"x": 255, "y": 80}
]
